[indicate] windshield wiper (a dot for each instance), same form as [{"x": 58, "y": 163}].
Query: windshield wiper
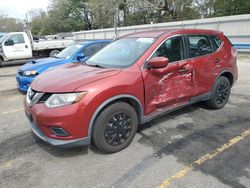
[
  {"x": 82, "y": 62},
  {"x": 94, "y": 65}
]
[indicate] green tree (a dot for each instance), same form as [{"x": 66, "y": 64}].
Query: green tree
[
  {"x": 102, "y": 13},
  {"x": 8, "y": 24},
  {"x": 231, "y": 7}
]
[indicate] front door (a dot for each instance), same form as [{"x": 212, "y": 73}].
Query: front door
[
  {"x": 18, "y": 49},
  {"x": 170, "y": 87}
]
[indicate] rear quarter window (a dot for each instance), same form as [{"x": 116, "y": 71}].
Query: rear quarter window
[{"x": 217, "y": 42}]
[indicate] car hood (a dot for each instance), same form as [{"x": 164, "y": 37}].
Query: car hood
[
  {"x": 67, "y": 78},
  {"x": 41, "y": 63}
]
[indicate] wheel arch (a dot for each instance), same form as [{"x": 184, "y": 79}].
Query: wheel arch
[
  {"x": 130, "y": 99},
  {"x": 1, "y": 57},
  {"x": 1, "y": 60},
  {"x": 228, "y": 75}
]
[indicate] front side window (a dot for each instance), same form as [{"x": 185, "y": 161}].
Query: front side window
[
  {"x": 17, "y": 38},
  {"x": 121, "y": 53},
  {"x": 104, "y": 44},
  {"x": 199, "y": 45},
  {"x": 172, "y": 49},
  {"x": 92, "y": 49}
]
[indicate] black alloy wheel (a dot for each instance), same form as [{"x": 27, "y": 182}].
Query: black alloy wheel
[
  {"x": 118, "y": 129},
  {"x": 115, "y": 127},
  {"x": 220, "y": 93}
]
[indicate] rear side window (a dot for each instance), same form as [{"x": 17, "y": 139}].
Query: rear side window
[
  {"x": 199, "y": 45},
  {"x": 172, "y": 49}
]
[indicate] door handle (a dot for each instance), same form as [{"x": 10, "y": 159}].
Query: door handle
[
  {"x": 217, "y": 60},
  {"x": 183, "y": 70},
  {"x": 26, "y": 46}
]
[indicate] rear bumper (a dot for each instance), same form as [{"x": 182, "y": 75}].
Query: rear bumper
[{"x": 59, "y": 143}]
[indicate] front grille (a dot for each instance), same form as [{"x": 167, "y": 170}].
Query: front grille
[
  {"x": 44, "y": 97},
  {"x": 32, "y": 97},
  {"x": 20, "y": 72}
]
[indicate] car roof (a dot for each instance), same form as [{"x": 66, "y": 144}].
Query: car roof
[
  {"x": 155, "y": 33},
  {"x": 87, "y": 42}
]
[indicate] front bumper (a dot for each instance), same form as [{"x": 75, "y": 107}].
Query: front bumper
[
  {"x": 23, "y": 82},
  {"x": 59, "y": 143},
  {"x": 69, "y": 118}
]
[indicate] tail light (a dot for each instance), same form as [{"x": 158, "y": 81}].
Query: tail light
[{"x": 234, "y": 51}]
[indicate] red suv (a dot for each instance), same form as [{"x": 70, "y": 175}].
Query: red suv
[{"x": 131, "y": 81}]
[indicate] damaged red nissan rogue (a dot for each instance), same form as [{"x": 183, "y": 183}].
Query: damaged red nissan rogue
[{"x": 131, "y": 81}]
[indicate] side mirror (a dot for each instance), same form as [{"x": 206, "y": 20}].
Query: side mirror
[
  {"x": 158, "y": 62},
  {"x": 9, "y": 42},
  {"x": 79, "y": 57}
]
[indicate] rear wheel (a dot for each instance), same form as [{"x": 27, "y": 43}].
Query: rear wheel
[
  {"x": 115, "y": 127},
  {"x": 53, "y": 53},
  {"x": 220, "y": 93}
]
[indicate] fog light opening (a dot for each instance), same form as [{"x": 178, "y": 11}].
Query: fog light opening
[{"x": 59, "y": 131}]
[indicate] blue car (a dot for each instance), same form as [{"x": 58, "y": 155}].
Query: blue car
[{"x": 80, "y": 51}]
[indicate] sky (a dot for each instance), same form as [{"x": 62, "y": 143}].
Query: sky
[{"x": 18, "y": 8}]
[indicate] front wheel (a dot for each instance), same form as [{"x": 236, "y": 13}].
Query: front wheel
[
  {"x": 115, "y": 127},
  {"x": 220, "y": 93}
]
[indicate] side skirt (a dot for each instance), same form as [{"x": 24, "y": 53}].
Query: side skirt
[{"x": 193, "y": 100}]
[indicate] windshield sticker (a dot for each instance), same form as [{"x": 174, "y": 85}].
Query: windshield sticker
[{"x": 145, "y": 40}]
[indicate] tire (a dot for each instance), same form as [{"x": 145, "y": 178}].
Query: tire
[
  {"x": 53, "y": 53},
  {"x": 220, "y": 93},
  {"x": 115, "y": 127},
  {"x": 1, "y": 63}
]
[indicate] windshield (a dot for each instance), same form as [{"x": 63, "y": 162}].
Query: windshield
[
  {"x": 3, "y": 37},
  {"x": 69, "y": 51},
  {"x": 121, "y": 53}
]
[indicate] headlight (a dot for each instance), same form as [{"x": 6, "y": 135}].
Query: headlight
[
  {"x": 57, "y": 100},
  {"x": 30, "y": 73}
]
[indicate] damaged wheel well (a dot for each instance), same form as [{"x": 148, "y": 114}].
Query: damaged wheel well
[
  {"x": 132, "y": 102},
  {"x": 230, "y": 77},
  {"x": 135, "y": 105}
]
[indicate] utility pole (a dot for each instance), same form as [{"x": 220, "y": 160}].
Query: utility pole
[
  {"x": 116, "y": 12},
  {"x": 26, "y": 21}
]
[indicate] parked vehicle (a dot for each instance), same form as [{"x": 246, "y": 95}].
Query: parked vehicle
[
  {"x": 1, "y": 34},
  {"x": 79, "y": 51},
  {"x": 20, "y": 45},
  {"x": 131, "y": 81}
]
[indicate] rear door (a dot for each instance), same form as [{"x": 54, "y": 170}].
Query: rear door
[
  {"x": 204, "y": 61},
  {"x": 170, "y": 87},
  {"x": 19, "y": 49}
]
